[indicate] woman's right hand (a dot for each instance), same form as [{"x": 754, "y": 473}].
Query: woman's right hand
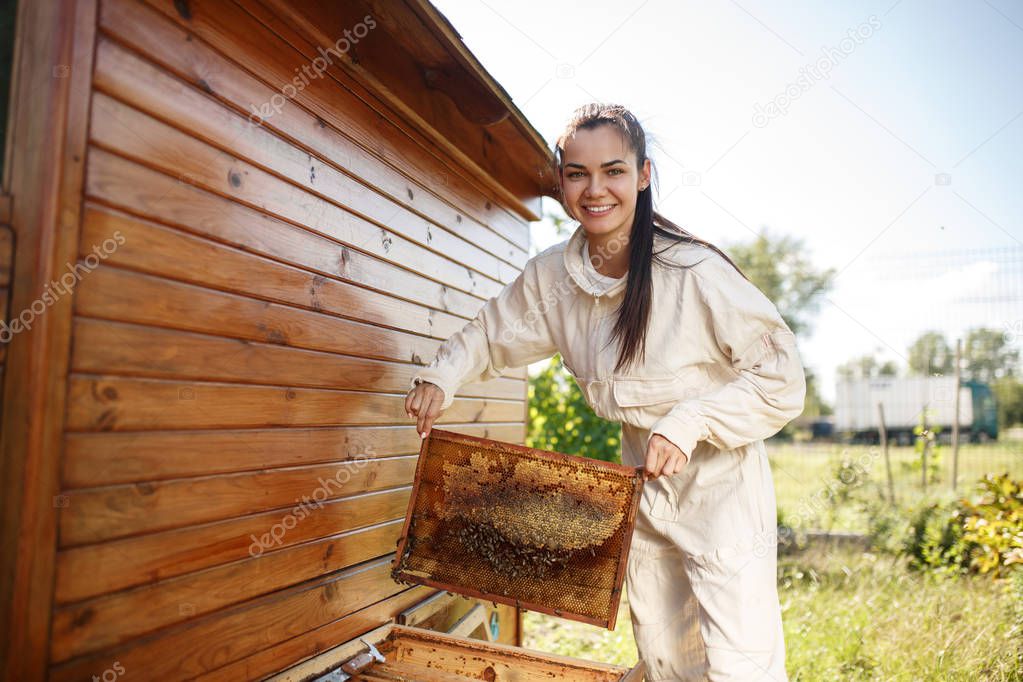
[{"x": 423, "y": 403}]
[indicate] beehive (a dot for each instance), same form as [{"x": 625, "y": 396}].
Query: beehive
[
  {"x": 533, "y": 528},
  {"x": 424, "y": 656}
]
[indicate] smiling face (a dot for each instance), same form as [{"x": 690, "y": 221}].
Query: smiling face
[{"x": 600, "y": 180}]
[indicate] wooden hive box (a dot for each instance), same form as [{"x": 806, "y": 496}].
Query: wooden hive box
[{"x": 415, "y": 655}]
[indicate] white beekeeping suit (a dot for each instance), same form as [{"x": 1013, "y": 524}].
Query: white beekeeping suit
[{"x": 720, "y": 374}]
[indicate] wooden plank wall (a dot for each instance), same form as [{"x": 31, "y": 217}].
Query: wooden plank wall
[
  {"x": 237, "y": 456},
  {"x": 6, "y": 267},
  {"x": 44, "y": 176}
]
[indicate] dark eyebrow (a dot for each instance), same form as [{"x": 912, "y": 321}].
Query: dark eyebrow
[{"x": 603, "y": 165}]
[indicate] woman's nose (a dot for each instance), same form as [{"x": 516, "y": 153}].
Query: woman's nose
[{"x": 594, "y": 188}]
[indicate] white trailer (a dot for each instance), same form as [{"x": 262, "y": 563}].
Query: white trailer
[{"x": 904, "y": 399}]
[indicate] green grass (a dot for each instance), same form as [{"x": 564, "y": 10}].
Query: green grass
[
  {"x": 589, "y": 642},
  {"x": 860, "y": 616},
  {"x": 851, "y": 615},
  {"x": 806, "y": 481}
]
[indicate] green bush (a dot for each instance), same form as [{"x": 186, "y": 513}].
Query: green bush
[
  {"x": 887, "y": 526},
  {"x": 561, "y": 420},
  {"x": 935, "y": 541},
  {"x": 985, "y": 536},
  {"x": 994, "y": 526},
  {"x": 925, "y": 440}
]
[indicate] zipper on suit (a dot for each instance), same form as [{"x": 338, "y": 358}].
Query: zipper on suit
[{"x": 595, "y": 363}]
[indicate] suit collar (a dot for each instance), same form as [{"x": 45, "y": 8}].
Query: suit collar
[{"x": 576, "y": 267}]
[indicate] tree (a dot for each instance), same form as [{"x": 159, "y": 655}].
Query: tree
[
  {"x": 866, "y": 367},
  {"x": 814, "y": 406},
  {"x": 561, "y": 420},
  {"x": 987, "y": 355},
  {"x": 779, "y": 268},
  {"x": 930, "y": 354},
  {"x": 1009, "y": 398}
]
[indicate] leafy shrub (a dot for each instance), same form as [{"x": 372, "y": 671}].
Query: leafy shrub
[
  {"x": 994, "y": 526},
  {"x": 936, "y": 541},
  {"x": 985, "y": 536},
  {"x": 887, "y": 526},
  {"x": 925, "y": 439},
  {"x": 560, "y": 418}
]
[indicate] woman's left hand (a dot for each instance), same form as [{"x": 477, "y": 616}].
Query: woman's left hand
[{"x": 664, "y": 457}]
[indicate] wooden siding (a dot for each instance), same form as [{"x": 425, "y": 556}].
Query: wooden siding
[
  {"x": 6, "y": 266},
  {"x": 47, "y": 132},
  {"x": 236, "y": 459}
]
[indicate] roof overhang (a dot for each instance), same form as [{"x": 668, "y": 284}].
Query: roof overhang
[{"x": 416, "y": 62}]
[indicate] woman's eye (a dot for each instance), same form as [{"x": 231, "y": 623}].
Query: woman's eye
[{"x": 612, "y": 171}]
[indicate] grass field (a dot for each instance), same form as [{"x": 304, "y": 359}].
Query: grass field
[
  {"x": 813, "y": 492},
  {"x": 853, "y": 616},
  {"x": 860, "y": 616}
]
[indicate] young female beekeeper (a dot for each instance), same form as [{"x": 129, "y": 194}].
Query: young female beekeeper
[{"x": 664, "y": 334}]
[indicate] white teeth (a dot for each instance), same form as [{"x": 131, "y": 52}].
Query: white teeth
[{"x": 598, "y": 210}]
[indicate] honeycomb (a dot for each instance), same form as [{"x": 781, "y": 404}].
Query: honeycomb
[{"x": 537, "y": 529}]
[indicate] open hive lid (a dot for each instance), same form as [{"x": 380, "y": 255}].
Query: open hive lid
[{"x": 532, "y": 528}]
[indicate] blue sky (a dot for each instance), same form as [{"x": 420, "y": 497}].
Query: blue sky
[{"x": 911, "y": 143}]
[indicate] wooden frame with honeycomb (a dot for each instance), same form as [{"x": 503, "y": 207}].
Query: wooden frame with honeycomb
[{"x": 535, "y": 529}]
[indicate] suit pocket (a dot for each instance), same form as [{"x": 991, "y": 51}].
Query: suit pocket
[
  {"x": 640, "y": 391},
  {"x": 664, "y": 500},
  {"x": 642, "y": 400}
]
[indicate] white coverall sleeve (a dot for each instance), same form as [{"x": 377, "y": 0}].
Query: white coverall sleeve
[
  {"x": 510, "y": 330},
  {"x": 770, "y": 387}
]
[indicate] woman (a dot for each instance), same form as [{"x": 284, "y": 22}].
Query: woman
[{"x": 696, "y": 364}]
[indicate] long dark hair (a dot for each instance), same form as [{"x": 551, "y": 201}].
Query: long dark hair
[{"x": 634, "y": 311}]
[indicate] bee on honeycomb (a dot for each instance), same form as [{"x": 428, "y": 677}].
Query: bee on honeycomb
[{"x": 525, "y": 517}]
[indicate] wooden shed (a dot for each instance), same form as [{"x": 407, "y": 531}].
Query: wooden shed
[{"x": 232, "y": 229}]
